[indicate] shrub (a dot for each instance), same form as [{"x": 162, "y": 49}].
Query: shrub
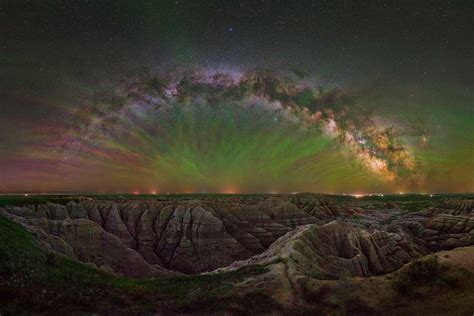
[
  {"x": 424, "y": 272},
  {"x": 316, "y": 295},
  {"x": 428, "y": 272}
]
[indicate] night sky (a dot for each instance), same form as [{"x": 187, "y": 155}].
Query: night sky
[{"x": 236, "y": 96}]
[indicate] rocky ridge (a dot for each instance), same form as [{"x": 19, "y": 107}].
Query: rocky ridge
[{"x": 320, "y": 237}]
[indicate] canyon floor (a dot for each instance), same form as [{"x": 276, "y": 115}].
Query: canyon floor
[{"x": 298, "y": 254}]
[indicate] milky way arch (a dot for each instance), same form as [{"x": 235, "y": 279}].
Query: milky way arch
[{"x": 201, "y": 129}]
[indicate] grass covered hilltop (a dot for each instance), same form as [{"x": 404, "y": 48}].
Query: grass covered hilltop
[{"x": 33, "y": 280}]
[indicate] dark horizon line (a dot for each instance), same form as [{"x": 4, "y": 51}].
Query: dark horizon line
[{"x": 222, "y": 193}]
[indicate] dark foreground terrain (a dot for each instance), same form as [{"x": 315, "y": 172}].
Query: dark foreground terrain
[{"x": 244, "y": 254}]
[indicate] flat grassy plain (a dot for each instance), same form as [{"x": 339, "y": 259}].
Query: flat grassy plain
[{"x": 64, "y": 198}]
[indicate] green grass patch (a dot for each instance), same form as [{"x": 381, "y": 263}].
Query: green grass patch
[{"x": 33, "y": 280}]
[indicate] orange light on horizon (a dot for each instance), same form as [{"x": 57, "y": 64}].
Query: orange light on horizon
[
  {"x": 229, "y": 190},
  {"x": 187, "y": 190}
]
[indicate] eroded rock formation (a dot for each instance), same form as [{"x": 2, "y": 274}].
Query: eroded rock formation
[{"x": 323, "y": 237}]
